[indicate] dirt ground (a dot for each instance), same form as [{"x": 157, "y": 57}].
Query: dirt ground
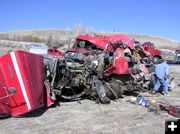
[{"x": 115, "y": 118}]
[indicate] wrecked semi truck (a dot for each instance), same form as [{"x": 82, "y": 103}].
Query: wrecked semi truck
[
  {"x": 97, "y": 68},
  {"x": 115, "y": 62}
]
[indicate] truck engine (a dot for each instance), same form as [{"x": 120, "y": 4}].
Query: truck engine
[{"x": 92, "y": 75}]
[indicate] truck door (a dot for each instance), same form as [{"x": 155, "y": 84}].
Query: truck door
[{"x": 21, "y": 76}]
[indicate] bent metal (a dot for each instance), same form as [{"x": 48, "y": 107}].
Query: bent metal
[{"x": 98, "y": 68}]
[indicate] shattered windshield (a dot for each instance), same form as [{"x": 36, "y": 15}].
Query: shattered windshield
[{"x": 86, "y": 45}]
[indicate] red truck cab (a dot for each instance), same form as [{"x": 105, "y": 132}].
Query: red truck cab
[
  {"x": 45, "y": 50},
  {"x": 155, "y": 53},
  {"x": 54, "y": 52}
]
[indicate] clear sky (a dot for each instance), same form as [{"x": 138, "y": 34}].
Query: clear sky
[{"x": 152, "y": 17}]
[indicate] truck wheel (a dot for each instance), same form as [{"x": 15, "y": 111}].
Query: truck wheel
[
  {"x": 114, "y": 90},
  {"x": 152, "y": 82}
]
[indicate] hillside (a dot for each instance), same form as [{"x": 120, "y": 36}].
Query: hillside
[{"x": 65, "y": 35}]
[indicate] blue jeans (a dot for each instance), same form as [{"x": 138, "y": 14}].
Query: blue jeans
[{"x": 163, "y": 82}]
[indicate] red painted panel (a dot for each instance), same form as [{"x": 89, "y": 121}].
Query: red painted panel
[
  {"x": 121, "y": 66},
  {"x": 24, "y": 72},
  {"x": 4, "y": 99},
  {"x": 120, "y": 63}
]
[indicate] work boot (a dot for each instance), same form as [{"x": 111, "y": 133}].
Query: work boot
[
  {"x": 165, "y": 94},
  {"x": 154, "y": 92}
]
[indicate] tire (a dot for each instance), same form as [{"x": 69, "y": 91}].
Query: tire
[
  {"x": 152, "y": 82},
  {"x": 114, "y": 90}
]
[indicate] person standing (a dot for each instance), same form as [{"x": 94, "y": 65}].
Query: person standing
[{"x": 162, "y": 72}]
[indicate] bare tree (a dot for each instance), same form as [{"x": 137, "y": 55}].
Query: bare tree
[
  {"x": 53, "y": 43},
  {"x": 49, "y": 41}
]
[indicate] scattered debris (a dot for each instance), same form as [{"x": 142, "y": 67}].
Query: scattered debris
[
  {"x": 97, "y": 68},
  {"x": 172, "y": 110},
  {"x": 157, "y": 107}
]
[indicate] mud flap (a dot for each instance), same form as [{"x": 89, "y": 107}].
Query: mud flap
[
  {"x": 48, "y": 99},
  {"x": 3, "y": 112},
  {"x": 98, "y": 86}
]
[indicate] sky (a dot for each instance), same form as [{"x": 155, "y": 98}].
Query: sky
[{"x": 150, "y": 17}]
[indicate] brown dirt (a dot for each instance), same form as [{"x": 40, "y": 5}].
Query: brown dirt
[
  {"x": 88, "y": 117},
  {"x": 64, "y": 35}
]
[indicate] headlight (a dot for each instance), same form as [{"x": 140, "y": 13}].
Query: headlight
[
  {"x": 94, "y": 63},
  {"x": 74, "y": 55}
]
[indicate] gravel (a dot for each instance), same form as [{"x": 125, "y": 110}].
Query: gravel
[{"x": 88, "y": 117}]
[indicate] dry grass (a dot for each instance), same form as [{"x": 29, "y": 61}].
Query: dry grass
[
  {"x": 24, "y": 38},
  {"x": 63, "y": 36},
  {"x": 169, "y": 47}
]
